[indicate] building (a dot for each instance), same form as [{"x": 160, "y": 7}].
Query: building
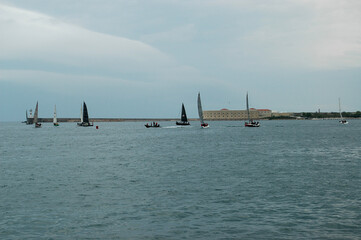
[
  {"x": 264, "y": 113},
  {"x": 225, "y": 114}
]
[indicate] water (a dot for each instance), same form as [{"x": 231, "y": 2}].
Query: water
[{"x": 284, "y": 180}]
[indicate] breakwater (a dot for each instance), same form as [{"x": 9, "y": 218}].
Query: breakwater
[{"x": 113, "y": 119}]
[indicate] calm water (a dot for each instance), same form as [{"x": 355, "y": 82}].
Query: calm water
[{"x": 284, "y": 180}]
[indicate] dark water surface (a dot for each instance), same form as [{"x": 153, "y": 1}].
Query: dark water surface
[{"x": 284, "y": 180}]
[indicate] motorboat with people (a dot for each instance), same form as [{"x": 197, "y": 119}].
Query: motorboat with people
[{"x": 152, "y": 125}]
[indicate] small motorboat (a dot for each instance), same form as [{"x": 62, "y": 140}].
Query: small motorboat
[{"x": 152, "y": 125}]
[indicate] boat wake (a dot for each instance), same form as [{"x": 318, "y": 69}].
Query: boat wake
[{"x": 179, "y": 126}]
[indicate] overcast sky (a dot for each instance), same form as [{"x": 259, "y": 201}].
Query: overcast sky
[{"x": 143, "y": 58}]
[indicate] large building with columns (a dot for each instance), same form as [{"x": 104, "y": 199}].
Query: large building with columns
[{"x": 225, "y": 114}]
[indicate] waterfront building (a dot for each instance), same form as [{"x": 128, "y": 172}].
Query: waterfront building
[{"x": 225, "y": 114}]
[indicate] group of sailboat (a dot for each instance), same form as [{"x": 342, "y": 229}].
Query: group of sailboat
[
  {"x": 84, "y": 117},
  {"x": 184, "y": 120}
]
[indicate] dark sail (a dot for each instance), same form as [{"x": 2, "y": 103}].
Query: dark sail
[
  {"x": 184, "y": 115},
  {"x": 184, "y": 120},
  {"x": 85, "y": 114}
]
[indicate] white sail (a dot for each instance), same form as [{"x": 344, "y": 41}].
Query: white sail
[
  {"x": 81, "y": 113},
  {"x": 55, "y": 120},
  {"x": 200, "y": 111},
  {"x": 339, "y": 107},
  {"x": 249, "y": 120},
  {"x": 36, "y": 113},
  {"x": 342, "y": 120}
]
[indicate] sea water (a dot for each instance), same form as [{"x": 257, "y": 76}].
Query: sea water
[{"x": 284, "y": 180}]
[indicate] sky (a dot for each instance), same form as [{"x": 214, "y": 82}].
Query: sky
[{"x": 144, "y": 58}]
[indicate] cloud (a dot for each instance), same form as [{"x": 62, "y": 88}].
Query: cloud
[
  {"x": 179, "y": 34},
  {"x": 302, "y": 34},
  {"x": 29, "y": 37}
]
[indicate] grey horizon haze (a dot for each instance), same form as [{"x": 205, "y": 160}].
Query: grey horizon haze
[{"x": 145, "y": 58}]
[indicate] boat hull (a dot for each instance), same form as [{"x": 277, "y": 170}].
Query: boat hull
[
  {"x": 182, "y": 123},
  {"x": 251, "y": 124},
  {"x": 149, "y": 126},
  {"x": 85, "y": 124}
]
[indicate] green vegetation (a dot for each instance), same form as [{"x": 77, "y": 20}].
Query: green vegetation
[
  {"x": 331, "y": 114},
  {"x": 280, "y": 118}
]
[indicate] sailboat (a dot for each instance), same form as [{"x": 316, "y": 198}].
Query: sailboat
[
  {"x": 84, "y": 118},
  {"x": 250, "y": 122},
  {"x": 37, "y": 125},
  {"x": 184, "y": 120},
  {"x": 342, "y": 120},
  {"x": 200, "y": 112},
  {"x": 55, "y": 120}
]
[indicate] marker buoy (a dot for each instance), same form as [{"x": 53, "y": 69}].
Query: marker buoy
[{"x": 97, "y": 127}]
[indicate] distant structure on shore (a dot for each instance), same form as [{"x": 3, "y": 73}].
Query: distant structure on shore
[
  {"x": 225, "y": 114},
  {"x": 30, "y": 117}
]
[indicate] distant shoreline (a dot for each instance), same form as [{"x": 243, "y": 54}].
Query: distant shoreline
[
  {"x": 45, "y": 120},
  {"x": 113, "y": 119}
]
